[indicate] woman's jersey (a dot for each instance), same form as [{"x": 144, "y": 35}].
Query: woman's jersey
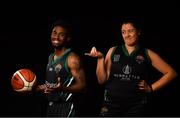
[
  {"x": 58, "y": 68},
  {"x": 126, "y": 71}
]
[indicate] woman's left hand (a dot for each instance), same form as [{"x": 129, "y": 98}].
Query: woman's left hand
[{"x": 145, "y": 87}]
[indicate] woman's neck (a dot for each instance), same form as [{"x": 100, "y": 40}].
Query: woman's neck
[{"x": 130, "y": 49}]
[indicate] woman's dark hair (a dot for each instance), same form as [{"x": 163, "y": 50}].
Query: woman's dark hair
[{"x": 133, "y": 20}]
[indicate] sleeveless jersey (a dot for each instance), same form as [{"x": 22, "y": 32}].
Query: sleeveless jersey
[
  {"x": 58, "y": 69},
  {"x": 126, "y": 71}
]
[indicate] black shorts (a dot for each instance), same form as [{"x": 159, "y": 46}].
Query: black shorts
[
  {"x": 60, "y": 109},
  {"x": 131, "y": 110}
]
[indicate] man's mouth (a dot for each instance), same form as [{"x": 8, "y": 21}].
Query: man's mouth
[{"x": 55, "y": 42}]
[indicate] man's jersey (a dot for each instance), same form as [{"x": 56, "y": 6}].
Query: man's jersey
[
  {"x": 58, "y": 68},
  {"x": 126, "y": 71}
]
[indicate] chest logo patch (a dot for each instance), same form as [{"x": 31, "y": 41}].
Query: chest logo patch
[
  {"x": 50, "y": 69},
  {"x": 58, "y": 68},
  {"x": 140, "y": 59},
  {"x": 116, "y": 58}
]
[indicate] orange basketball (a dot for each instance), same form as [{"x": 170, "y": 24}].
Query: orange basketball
[{"x": 23, "y": 80}]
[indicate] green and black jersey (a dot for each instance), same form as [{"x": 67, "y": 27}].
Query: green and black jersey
[
  {"x": 126, "y": 71},
  {"x": 58, "y": 69}
]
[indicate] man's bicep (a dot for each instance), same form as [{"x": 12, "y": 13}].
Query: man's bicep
[
  {"x": 76, "y": 66},
  {"x": 78, "y": 74}
]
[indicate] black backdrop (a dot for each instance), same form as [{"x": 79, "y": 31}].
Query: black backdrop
[{"x": 24, "y": 43}]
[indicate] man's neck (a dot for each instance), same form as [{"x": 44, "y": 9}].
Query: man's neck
[{"x": 59, "y": 52}]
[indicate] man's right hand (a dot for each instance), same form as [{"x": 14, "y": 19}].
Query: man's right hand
[
  {"x": 41, "y": 87},
  {"x": 50, "y": 89}
]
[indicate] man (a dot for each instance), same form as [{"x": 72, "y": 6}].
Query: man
[{"x": 64, "y": 75}]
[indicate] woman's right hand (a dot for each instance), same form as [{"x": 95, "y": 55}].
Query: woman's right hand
[{"x": 95, "y": 53}]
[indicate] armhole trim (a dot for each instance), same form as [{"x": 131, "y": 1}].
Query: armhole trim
[
  {"x": 147, "y": 55},
  {"x": 113, "y": 52},
  {"x": 66, "y": 64}
]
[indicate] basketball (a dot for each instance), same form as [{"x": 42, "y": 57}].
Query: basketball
[{"x": 23, "y": 80}]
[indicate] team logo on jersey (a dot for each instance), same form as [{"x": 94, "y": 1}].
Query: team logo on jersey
[
  {"x": 126, "y": 69},
  {"x": 50, "y": 85},
  {"x": 139, "y": 59},
  {"x": 127, "y": 74},
  {"x": 116, "y": 58},
  {"x": 58, "y": 68}
]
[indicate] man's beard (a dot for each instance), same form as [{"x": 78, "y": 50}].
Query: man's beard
[{"x": 59, "y": 47}]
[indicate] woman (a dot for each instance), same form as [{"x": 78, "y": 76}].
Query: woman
[{"x": 125, "y": 73}]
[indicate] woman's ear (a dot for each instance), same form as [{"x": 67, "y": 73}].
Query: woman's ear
[
  {"x": 139, "y": 32},
  {"x": 68, "y": 39}
]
